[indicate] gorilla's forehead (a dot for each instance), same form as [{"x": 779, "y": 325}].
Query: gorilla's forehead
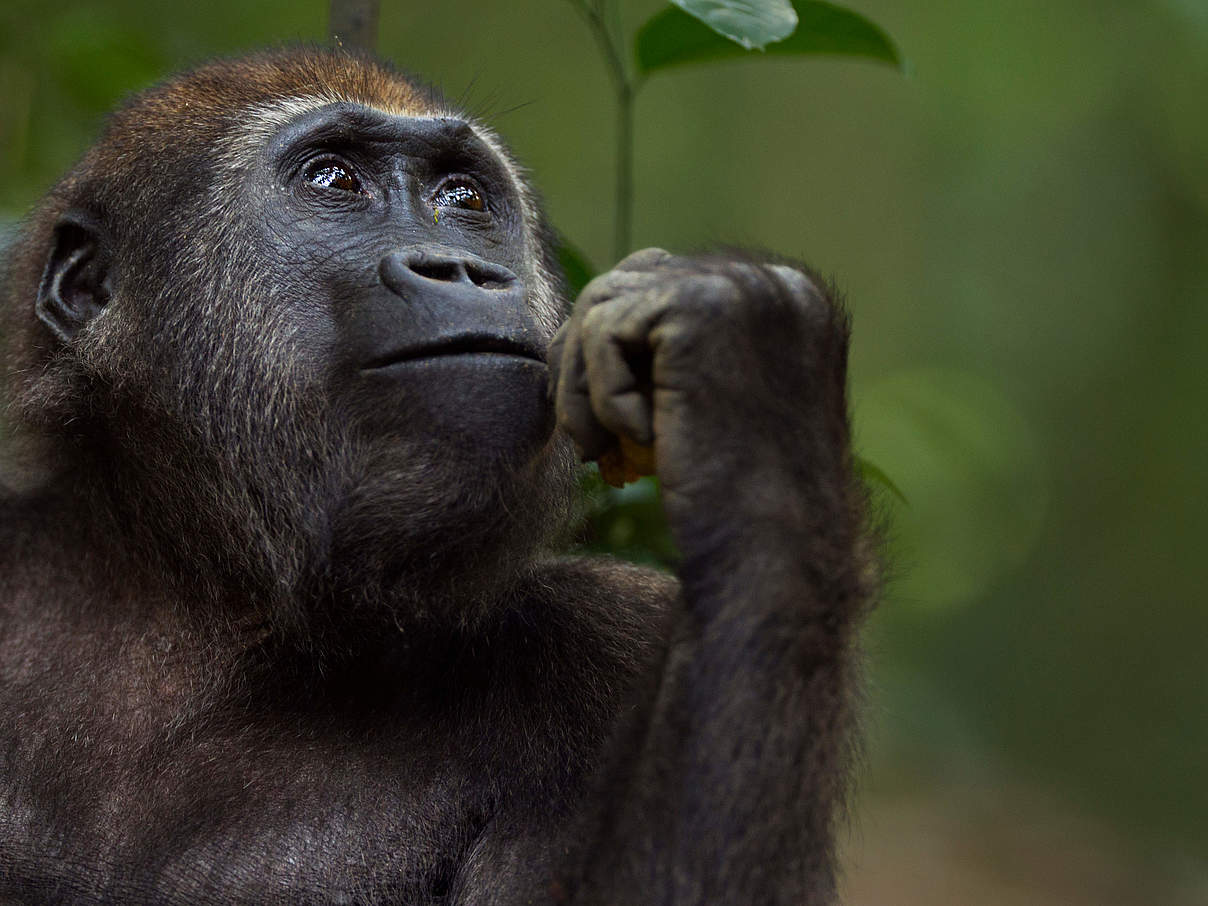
[
  {"x": 304, "y": 73},
  {"x": 225, "y": 106},
  {"x": 281, "y": 123},
  {"x": 282, "y": 119}
]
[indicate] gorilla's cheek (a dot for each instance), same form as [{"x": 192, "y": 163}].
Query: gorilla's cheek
[{"x": 483, "y": 406}]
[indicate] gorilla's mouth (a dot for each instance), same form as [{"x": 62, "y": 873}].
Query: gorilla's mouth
[{"x": 461, "y": 345}]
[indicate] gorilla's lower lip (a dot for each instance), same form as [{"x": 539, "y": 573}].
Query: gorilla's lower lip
[
  {"x": 467, "y": 357},
  {"x": 467, "y": 360},
  {"x": 462, "y": 348}
]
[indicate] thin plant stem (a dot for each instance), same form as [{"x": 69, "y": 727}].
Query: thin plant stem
[
  {"x": 595, "y": 14},
  {"x": 354, "y": 23},
  {"x": 623, "y": 239}
]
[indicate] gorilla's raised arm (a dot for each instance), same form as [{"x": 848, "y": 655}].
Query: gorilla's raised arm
[{"x": 735, "y": 372}]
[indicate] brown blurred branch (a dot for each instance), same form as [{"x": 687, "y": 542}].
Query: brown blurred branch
[{"x": 354, "y": 23}]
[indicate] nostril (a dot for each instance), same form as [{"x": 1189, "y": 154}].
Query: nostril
[
  {"x": 448, "y": 270},
  {"x": 403, "y": 268},
  {"x": 489, "y": 276}
]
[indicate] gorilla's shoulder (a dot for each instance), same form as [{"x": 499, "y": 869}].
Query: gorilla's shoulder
[
  {"x": 603, "y": 614},
  {"x": 608, "y": 601},
  {"x": 607, "y": 579}
]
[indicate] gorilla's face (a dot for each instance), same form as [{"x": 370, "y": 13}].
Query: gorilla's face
[
  {"x": 402, "y": 241},
  {"x": 317, "y": 341}
]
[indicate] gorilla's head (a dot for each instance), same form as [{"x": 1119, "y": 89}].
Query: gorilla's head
[{"x": 283, "y": 329}]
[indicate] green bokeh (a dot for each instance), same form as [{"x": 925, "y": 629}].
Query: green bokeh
[{"x": 1022, "y": 229}]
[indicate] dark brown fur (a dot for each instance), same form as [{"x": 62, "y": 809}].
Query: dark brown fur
[{"x": 249, "y": 657}]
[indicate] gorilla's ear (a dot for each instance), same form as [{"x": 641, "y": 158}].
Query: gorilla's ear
[{"x": 75, "y": 285}]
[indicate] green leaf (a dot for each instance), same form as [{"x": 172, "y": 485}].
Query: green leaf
[
  {"x": 673, "y": 37},
  {"x": 575, "y": 266},
  {"x": 870, "y": 473},
  {"x": 751, "y": 23}
]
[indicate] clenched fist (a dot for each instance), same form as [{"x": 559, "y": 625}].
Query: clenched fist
[{"x": 731, "y": 370}]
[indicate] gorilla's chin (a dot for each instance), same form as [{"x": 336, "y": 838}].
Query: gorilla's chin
[
  {"x": 421, "y": 510},
  {"x": 486, "y": 411}
]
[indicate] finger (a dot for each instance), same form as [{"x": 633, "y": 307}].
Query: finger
[
  {"x": 642, "y": 260},
  {"x": 553, "y": 355},
  {"x": 795, "y": 281},
  {"x": 632, "y": 319},
  {"x": 572, "y": 400},
  {"x": 620, "y": 399},
  {"x": 655, "y": 259},
  {"x": 611, "y": 284}
]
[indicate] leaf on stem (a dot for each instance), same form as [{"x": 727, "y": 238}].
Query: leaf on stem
[
  {"x": 575, "y": 267},
  {"x": 673, "y": 37},
  {"x": 751, "y": 23}
]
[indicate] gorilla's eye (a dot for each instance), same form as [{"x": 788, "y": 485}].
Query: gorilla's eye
[
  {"x": 458, "y": 193},
  {"x": 332, "y": 175}
]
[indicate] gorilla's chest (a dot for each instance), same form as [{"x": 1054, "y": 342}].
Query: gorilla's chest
[{"x": 298, "y": 821}]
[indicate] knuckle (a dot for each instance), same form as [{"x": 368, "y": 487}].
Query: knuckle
[
  {"x": 595, "y": 321},
  {"x": 793, "y": 280},
  {"x": 597, "y": 290},
  {"x": 609, "y": 285},
  {"x": 644, "y": 259},
  {"x": 707, "y": 292}
]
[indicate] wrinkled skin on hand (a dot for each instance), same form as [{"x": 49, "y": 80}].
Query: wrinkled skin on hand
[{"x": 723, "y": 367}]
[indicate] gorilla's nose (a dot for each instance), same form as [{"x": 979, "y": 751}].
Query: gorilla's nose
[{"x": 421, "y": 270}]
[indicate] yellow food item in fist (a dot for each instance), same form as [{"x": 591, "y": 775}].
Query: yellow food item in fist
[{"x": 626, "y": 462}]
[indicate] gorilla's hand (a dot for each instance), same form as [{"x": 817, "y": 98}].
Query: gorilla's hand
[{"x": 733, "y": 370}]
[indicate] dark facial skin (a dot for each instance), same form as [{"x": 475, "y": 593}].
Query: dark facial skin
[
  {"x": 405, "y": 234},
  {"x": 282, "y": 616}
]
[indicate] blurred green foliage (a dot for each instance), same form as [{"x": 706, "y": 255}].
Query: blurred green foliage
[
  {"x": 1022, "y": 228},
  {"x": 627, "y": 522}
]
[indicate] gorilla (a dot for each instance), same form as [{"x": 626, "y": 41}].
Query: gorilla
[{"x": 290, "y": 473}]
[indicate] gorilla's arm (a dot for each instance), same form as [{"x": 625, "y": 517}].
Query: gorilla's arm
[{"x": 725, "y": 791}]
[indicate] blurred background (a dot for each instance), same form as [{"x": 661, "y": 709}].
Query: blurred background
[{"x": 1021, "y": 225}]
